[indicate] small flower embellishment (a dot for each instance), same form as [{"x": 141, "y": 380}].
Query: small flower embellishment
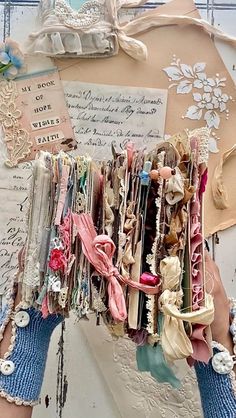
[
  {"x": 219, "y": 100},
  {"x": 203, "y": 101},
  {"x": 202, "y": 82},
  {"x": 11, "y": 59},
  {"x": 9, "y": 114},
  {"x": 57, "y": 260}
]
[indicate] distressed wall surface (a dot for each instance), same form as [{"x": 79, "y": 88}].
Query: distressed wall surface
[{"x": 87, "y": 374}]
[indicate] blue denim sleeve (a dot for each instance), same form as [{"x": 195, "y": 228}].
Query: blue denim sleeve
[{"x": 217, "y": 391}]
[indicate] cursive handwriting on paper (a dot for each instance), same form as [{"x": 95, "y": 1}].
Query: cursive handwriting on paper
[
  {"x": 103, "y": 114},
  {"x": 14, "y": 198}
]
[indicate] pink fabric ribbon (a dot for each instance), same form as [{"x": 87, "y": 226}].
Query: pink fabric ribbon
[{"x": 99, "y": 250}]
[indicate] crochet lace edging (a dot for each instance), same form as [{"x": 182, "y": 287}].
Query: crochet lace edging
[{"x": 16, "y": 400}]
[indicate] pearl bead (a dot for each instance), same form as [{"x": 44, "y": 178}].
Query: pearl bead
[
  {"x": 165, "y": 172},
  {"x": 154, "y": 174}
]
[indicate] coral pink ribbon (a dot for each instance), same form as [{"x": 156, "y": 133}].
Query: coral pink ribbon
[{"x": 99, "y": 250}]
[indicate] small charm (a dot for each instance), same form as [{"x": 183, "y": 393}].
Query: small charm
[
  {"x": 144, "y": 175},
  {"x": 63, "y": 297}
]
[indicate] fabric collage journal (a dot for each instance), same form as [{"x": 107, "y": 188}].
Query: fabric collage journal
[{"x": 118, "y": 150}]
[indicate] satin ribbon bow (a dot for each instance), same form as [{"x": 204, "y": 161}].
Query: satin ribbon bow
[{"x": 99, "y": 250}]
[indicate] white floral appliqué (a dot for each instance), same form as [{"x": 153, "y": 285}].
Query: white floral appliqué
[
  {"x": 17, "y": 139},
  {"x": 207, "y": 93}
]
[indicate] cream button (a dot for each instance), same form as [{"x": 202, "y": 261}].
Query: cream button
[
  {"x": 7, "y": 367},
  {"x": 222, "y": 362},
  {"x": 22, "y": 319},
  {"x": 56, "y": 286}
]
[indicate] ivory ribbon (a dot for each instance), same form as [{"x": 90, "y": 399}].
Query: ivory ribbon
[
  {"x": 170, "y": 272},
  {"x": 219, "y": 192},
  {"x": 204, "y": 315},
  {"x": 152, "y": 19},
  {"x": 99, "y": 250},
  {"x": 174, "y": 340}
]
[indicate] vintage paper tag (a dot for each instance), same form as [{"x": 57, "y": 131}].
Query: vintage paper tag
[
  {"x": 34, "y": 117},
  {"x": 103, "y": 114}
]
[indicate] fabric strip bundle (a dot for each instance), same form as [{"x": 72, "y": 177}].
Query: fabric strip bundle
[{"x": 124, "y": 239}]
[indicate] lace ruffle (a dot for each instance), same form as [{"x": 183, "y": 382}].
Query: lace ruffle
[{"x": 69, "y": 42}]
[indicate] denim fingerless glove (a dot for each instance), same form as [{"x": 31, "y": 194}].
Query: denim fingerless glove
[
  {"x": 218, "y": 391},
  {"x": 22, "y": 367}
]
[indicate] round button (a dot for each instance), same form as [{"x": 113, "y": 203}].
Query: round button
[
  {"x": 56, "y": 286},
  {"x": 22, "y": 319},
  {"x": 222, "y": 362},
  {"x": 7, "y": 367}
]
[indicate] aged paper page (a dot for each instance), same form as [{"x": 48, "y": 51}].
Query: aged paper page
[{"x": 103, "y": 114}]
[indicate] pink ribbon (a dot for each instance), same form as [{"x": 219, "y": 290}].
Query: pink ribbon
[{"x": 99, "y": 250}]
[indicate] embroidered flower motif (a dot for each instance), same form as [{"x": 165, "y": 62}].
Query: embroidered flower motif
[
  {"x": 219, "y": 100},
  {"x": 57, "y": 260},
  {"x": 9, "y": 114},
  {"x": 210, "y": 103},
  {"x": 203, "y": 101},
  {"x": 202, "y": 82}
]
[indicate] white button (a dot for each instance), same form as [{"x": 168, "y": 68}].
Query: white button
[
  {"x": 22, "y": 319},
  {"x": 222, "y": 362},
  {"x": 56, "y": 286},
  {"x": 7, "y": 367}
]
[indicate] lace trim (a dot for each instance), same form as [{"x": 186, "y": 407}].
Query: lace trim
[
  {"x": 203, "y": 135},
  {"x": 231, "y": 374},
  {"x": 150, "y": 306},
  {"x": 89, "y": 14},
  {"x": 150, "y": 259},
  {"x": 15, "y": 136},
  {"x": 13, "y": 330},
  {"x": 16, "y": 400},
  {"x": 10, "y": 302},
  {"x": 10, "y": 316}
]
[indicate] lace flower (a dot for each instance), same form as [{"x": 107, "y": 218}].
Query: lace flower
[
  {"x": 57, "y": 260},
  {"x": 203, "y": 82},
  {"x": 203, "y": 101},
  {"x": 11, "y": 59},
  {"x": 219, "y": 99},
  {"x": 9, "y": 114}
]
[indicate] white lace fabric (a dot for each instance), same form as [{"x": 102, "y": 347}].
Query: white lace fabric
[{"x": 67, "y": 32}]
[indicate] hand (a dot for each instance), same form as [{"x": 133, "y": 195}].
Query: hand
[{"x": 221, "y": 323}]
